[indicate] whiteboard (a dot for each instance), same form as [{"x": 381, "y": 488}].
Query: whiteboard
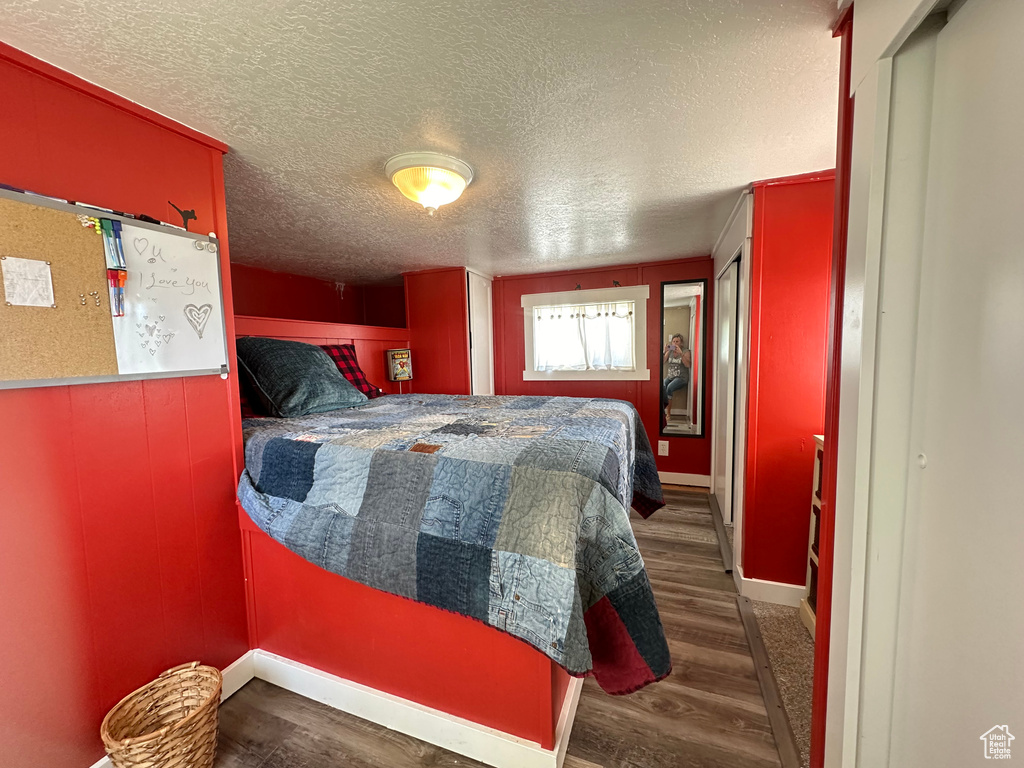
[{"x": 174, "y": 312}]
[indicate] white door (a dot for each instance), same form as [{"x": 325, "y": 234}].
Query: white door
[
  {"x": 725, "y": 388},
  {"x": 959, "y": 659},
  {"x": 481, "y": 334}
]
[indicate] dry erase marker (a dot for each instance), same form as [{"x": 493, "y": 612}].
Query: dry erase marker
[
  {"x": 115, "y": 226},
  {"x": 112, "y": 282},
  {"x": 101, "y": 208},
  {"x": 122, "y": 278}
]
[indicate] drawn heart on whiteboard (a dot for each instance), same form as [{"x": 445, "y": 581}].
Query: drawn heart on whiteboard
[
  {"x": 161, "y": 318},
  {"x": 198, "y": 316},
  {"x": 145, "y": 343},
  {"x": 152, "y": 351},
  {"x": 141, "y": 244},
  {"x": 168, "y": 337},
  {"x": 150, "y": 329},
  {"x": 158, "y": 342}
]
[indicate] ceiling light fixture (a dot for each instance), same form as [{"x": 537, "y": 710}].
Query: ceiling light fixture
[{"x": 429, "y": 178}]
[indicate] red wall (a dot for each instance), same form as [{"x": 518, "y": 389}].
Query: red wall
[
  {"x": 120, "y": 555},
  {"x": 689, "y": 455},
  {"x": 437, "y": 312},
  {"x": 263, "y": 293},
  {"x": 384, "y": 305},
  {"x": 370, "y": 342},
  {"x": 790, "y": 286}
]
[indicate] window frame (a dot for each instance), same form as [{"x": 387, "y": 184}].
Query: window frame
[{"x": 638, "y": 294}]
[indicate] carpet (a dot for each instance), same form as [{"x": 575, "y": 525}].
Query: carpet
[{"x": 791, "y": 652}]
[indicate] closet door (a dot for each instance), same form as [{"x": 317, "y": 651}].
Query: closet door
[
  {"x": 725, "y": 388},
  {"x": 481, "y": 334},
  {"x": 959, "y": 664}
]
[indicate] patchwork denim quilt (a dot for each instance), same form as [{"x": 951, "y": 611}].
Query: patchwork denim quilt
[{"x": 510, "y": 510}]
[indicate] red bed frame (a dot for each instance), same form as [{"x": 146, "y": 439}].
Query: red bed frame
[{"x": 420, "y": 653}]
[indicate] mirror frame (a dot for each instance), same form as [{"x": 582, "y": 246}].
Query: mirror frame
[{"x": 703, "y": 358}]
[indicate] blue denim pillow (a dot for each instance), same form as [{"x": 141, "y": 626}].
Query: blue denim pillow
[{"x": 294, "y": 379}]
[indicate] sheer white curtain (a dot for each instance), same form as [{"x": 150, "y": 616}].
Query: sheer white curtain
[{"x": 584, "y": 337}]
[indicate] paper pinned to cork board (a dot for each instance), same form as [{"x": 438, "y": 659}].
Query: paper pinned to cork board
[{"x": 27, "y": 282}]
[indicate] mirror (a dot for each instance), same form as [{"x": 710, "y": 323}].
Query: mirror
[{"x": 683, "y": 323}]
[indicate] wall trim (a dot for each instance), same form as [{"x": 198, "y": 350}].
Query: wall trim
[
  {"x": 488, "y": 745},
  {"x": 685, "y": 478},
  {"x": 237, "y": 674},
  {"x": 768, "y": 591},
  {"x": 465, "y": 737},
  {"x": 724, "y": 547}
]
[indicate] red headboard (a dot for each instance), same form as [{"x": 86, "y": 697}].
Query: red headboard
[{"x": 370, "y": 341}]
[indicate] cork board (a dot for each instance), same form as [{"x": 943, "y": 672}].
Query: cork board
[{"x": 73, "y": 339}]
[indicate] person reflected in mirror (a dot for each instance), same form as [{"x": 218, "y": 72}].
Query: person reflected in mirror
[{"x": 676, "y": 363}]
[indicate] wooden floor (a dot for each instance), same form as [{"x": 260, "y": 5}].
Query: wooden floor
[{"x": 707, "y": 713}]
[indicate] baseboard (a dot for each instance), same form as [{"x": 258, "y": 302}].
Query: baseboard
[
  {"x": 488, "y": 745},
  {"x": 724, "y": 547},
  {"x": 684, "y": 478},
  {"x": 464, "y": 737},
  {"x": 768, "y": 591},
  {"x": 237, "y": 674},
  {"x": 807, "y": 616}
]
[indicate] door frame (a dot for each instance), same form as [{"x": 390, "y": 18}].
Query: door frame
[
  {"x": 734, "y": 245},
  {"x": 475, "y": 343}
]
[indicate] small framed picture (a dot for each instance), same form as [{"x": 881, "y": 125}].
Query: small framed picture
[{"x": 399, "y": 364}]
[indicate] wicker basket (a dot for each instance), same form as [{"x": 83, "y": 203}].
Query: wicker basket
[{"x": 168, "y": 723}]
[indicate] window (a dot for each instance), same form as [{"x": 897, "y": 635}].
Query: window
[{"x": 599, "y": 334}]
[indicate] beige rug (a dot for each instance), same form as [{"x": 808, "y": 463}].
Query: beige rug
[{"x": 791, "y": 652}]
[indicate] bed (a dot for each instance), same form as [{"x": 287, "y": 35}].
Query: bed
[{"x": 443, "y": 548}]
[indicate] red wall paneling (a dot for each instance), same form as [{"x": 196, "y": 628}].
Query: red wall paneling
[
  {"x": 690, "y": 455},
  {"x": 121, "y": 555},
  {"x": 384, "y": 305},
  {"x": 389, "y": 643},
  {"x": 437, "y": 314},
  {"x": 264, "y": 293},
  {"x": 823, "y": 614},
  {"x": 790, "y": 276},
  {"x": 370, "y": 342},
  {"x": 686, "y": 454}
]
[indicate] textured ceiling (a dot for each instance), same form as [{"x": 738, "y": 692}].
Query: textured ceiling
[{"x": 601, "y": 131}]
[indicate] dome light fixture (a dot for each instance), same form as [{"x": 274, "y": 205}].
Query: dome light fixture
[{"x": 429, "y": 178}]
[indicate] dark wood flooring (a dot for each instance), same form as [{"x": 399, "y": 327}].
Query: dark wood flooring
[{"x": 707, "y": 714}]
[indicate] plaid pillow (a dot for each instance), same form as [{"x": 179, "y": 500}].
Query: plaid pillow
[
  {"x": 247, "y": 400},
  {"x": 344, "y": 356}
]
